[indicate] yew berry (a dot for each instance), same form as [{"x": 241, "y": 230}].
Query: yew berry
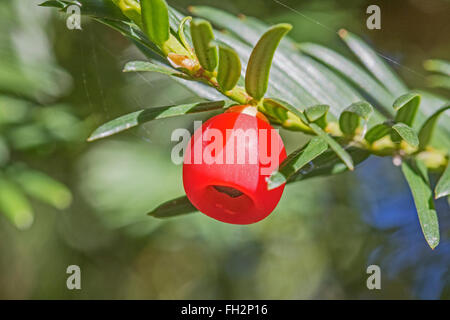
[{"x": 226, "y": 165}]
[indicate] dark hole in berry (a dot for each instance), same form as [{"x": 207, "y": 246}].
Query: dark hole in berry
[{"x": 232, "y": 192}]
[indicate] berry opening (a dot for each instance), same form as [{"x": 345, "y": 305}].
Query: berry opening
[
  {"x": 232, "y": 192},
  {"x": 229, "y": 200}
]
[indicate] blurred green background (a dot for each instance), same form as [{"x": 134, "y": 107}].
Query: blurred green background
[{"x": 57, "y": 85}]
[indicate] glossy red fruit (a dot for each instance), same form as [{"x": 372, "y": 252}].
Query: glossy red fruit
[{"x": 226, "y": 165}]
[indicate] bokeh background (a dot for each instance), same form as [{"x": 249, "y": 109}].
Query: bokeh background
[{"x": 57, "y": 85}]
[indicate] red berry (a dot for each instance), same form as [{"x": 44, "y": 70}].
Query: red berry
[{"x": 226, "y": 165}]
